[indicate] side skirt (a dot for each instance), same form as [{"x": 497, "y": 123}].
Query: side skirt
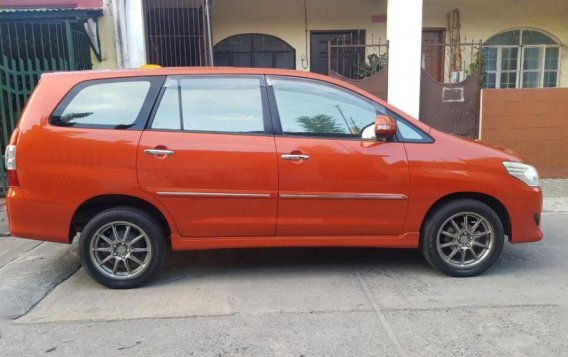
[{"x": 406, "y": 240}]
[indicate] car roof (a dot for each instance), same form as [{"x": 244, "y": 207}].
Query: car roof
[{"x": 169, "y": 71}]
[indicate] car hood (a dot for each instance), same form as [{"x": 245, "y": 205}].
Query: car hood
[
  {"x": 482, "y": 148},
  {"x": 501, "y": 149}
]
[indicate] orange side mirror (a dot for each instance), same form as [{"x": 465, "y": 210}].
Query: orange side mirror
[{"x": 385, "y": 126}]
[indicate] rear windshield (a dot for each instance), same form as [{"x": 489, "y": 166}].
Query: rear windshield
[{"x": 115, "y": 103}]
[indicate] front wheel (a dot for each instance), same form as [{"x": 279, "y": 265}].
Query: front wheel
[
  {"x": 463, "y": 238},
  {"x": 122, "y": 247}
]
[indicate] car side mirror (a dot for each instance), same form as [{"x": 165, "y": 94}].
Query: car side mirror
[{"x": 383, "y": 128}]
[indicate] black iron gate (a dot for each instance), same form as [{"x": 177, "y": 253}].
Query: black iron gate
[
  {"x": 27, "y": 49},
  {"x": 178, "y": 32}
]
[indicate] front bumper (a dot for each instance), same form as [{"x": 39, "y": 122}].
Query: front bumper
[{"x": 524, "y": 212}]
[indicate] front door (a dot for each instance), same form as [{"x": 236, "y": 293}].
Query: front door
[
  {"x": 207, "y": 158},
  {"x": 433, "y": 53},
  {"x": 330, "y": 181},
  {"x": 342, "y": 60}
]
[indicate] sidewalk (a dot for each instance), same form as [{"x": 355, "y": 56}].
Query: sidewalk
[
  {"x": 555, "y": 195},
  {"x": 30, "y": 269}
]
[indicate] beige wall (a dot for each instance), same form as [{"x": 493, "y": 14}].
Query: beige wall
[
  {"x": 106, "y": 34},
  {"x": 481, "y": 19},
  {"x": 286, "y": 19}
]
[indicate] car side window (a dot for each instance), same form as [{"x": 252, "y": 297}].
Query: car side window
[
  {"x": 168, "y": 113},
  {"x": 211, "y": 104},
  {"x": 114, "y": 103},
  {"x": 311, "y": 108},
  {"x": 408, "y": 132}
]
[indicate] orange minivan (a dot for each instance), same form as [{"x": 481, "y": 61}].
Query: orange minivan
[{"x": 137, "y": 161}]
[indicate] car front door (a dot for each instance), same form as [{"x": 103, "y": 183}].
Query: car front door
[
  {"x": 209, "y": 157},
  {"x": 331, "y": 182}
]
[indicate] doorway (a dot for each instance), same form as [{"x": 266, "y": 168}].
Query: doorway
[
  {"x": 254, "y": 50},
  {"x": 342, "y": 60},
  {"x": 433, "y": 52},
  {"x": 176, "y": 33}
]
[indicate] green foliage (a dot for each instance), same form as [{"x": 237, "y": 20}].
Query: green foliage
[
  {"x": 320, "y": 123},
  {"x": 473, "y": 66},
  {"x": 373, "y": 64}
]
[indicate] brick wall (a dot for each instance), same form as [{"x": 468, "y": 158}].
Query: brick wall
[{"x": 533, "y": 122}]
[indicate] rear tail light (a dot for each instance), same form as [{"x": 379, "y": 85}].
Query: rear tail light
[{"x": 10, "y": 162}]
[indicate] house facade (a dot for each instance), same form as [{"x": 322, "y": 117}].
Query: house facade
[{"x": 523, "y": 39}]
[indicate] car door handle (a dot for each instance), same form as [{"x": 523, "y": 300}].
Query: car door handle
[
  {"x": 295, "y": 157},
  {"x": 159, "y": 152}
]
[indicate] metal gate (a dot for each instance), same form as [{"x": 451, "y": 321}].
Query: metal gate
[
  {"x": 450, "y": 103},
  {"x": 27, "y": 49},
  {"x": 178, "y": 32},
  {"x": 451, "y": 108},
  {"x": 368, "y": 71}
]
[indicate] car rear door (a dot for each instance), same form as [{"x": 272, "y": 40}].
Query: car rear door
[
  {"x": 331, "y": 182},
  {"x": 209, "y": 156}
]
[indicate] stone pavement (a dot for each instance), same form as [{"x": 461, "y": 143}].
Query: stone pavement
[
  {"x": 312, "y": 302},
  {"x": 30, "y": 269}
]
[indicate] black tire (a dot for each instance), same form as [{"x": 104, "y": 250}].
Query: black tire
[
  {"x": 436, "y": 256},
  {"x": 153, "y": 241}
]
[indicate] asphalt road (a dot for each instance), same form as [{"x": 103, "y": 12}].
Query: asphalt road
[{"x": 312, "y": 302}]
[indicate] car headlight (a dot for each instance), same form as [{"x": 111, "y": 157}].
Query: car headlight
[{"x": 523, "y": 172}]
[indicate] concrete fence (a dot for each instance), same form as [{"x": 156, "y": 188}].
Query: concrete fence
[{"x": 533, "y": 122}]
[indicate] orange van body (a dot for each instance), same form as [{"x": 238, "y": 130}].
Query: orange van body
[{"x": 242, "y": 194}]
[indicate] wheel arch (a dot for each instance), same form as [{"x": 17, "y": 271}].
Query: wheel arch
[
  {"x": 496, "y": 205},
  {"x": 89, "y": 208}
]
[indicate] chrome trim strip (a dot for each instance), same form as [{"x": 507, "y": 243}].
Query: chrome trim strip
[
  {"x": 214, "y": 194},
  {"x": 349, "y": 196}
]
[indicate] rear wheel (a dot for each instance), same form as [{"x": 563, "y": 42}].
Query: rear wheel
[
  {"x": 122, "y": 247},
  {"x": 463, "y": 238}
]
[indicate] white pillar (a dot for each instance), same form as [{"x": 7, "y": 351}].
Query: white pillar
[
  {"x": 404, "y": 33},
  {"x": 130, "y": 34}
]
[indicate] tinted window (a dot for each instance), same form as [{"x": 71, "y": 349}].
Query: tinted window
[
  {"x": 316, "y": 109},
  {"x": 216, "y": 104},
  {"x": 408, "y": 132},
  {"x": 168, "y": 113},
  {"x": 103, "y": 103}
]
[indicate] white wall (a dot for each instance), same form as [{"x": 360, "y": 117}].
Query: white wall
[
  {"x": 130, "y": 39},
  {"x": 404, "y": 33}
]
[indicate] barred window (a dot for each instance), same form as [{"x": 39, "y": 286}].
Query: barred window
[{"x": 521, "y": 59}]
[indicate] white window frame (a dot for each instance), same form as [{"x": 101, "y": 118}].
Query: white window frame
[{"x": 520, "y": 61}]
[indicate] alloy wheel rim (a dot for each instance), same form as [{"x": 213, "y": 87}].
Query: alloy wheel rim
[
  {"x": 465, "y": 240},
  {"x": 121, "y": 250}
]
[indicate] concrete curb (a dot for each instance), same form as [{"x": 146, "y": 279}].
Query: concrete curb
[
  {"x": 555, "y": 204},
  {"x": 3, "y": 219},
  {"x": 555, "y": 192},
  {"x": 30, "y": 277}
]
